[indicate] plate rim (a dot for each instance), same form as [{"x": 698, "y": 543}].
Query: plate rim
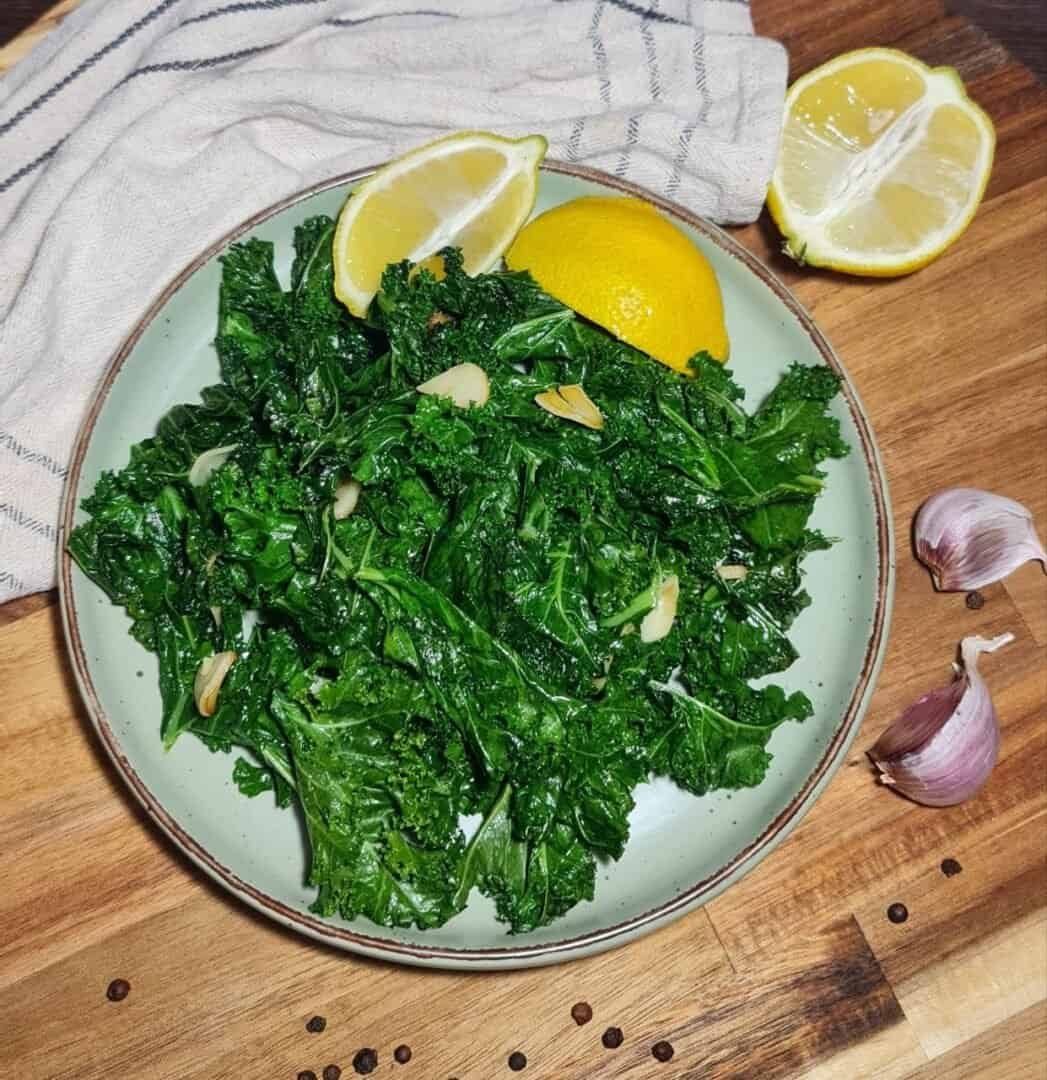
[{"x": 510, "y": 956}]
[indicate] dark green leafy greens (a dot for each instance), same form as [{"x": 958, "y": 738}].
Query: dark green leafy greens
[{"x": 465, "y": 642}]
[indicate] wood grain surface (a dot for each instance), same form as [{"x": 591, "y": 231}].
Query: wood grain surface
[{"x": 795, "y": 971}]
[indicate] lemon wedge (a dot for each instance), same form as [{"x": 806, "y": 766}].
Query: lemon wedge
[
  {"x": 883, "y": 163},
  {"x": 471, "y": 190},
  {"x": 618, "y": 262}
]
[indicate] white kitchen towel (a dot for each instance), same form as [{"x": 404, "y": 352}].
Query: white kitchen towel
[{"x": 143, "y": 130}]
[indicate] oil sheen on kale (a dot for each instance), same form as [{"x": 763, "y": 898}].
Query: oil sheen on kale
[{"x": 466, "y": 641}]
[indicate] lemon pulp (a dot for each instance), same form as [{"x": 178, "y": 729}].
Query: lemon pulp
[
  {"x": 471, "y": 190},
  {"x": 883, "y": 163}
]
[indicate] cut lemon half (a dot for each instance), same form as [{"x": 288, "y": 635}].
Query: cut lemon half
[
  {"x": 883, "y": 163},
  {"x": 621, "y": 264},
  {"x": 471, "y": 190}
]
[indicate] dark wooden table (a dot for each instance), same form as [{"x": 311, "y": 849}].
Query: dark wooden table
[
  {"x": 795, "y": 972},
  {"x": 16, "y": 15}
]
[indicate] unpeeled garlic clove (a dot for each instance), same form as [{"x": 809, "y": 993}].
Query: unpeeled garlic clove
[
  {"x": 941, "y": 750},
  {"x": 659, "y": 620},
  {"x": 464, "y": 384},
  {"x": 346, "y": 496},
  {"x": 206, "y": 463},
  {"x": 209, "y": 678},
  {"x": 571, "y": 403},
  {"x": 970, "y": 538}
]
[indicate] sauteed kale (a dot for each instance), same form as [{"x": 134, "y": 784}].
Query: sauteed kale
[{"x": 480, "y": 635}]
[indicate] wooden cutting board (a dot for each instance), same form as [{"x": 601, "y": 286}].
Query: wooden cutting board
[{"x": 794, "y": 972}]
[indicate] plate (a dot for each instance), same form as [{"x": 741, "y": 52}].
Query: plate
[{"x": 683, "y": 850}]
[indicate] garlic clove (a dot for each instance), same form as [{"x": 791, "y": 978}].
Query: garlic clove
[
  {"x": 659, "y": 620},
  {"x": 970, "y": 538},
  {"x": 346, "y": 496},
  {"x": 941, "y": 750},
  {"x": 571, "y": 403},
  {"x": 209, "y": 678},
  {"x": 728, "y": 572},
  {"x": 207, "y": 462},
  {"x": 464, "y": 384}
]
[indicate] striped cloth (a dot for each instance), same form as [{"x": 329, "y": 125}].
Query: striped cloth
[{"x": 142, "y": 130}]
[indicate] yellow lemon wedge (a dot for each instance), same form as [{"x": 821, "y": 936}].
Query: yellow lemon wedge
[
  {"x": 883, "y": 163},
  {"x": 471, "y": 190},
  {"x": 619, "y": 263}
]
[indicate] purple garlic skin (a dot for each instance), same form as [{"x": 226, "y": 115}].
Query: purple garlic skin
[
  {"x": 941, "y": 750},
  {"x": 970, "y": 538}
]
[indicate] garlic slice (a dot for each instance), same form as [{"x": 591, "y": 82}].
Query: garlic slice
[
  {"x": 659, "y": 620},
  {"x": 571, "y": 403},
  {"x": 206, "y": 463},
  {"x": 941, "y": 750},
  {"x": 464, "y": 384},
  {"x": 729, "y": 572},
  {"x": 970, "y": 538},
  {"x": 209, "y": 678},
  {"x": 346, "y": 496}
]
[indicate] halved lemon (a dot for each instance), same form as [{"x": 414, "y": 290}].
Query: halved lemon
[
  {"x": 621, "y": 264},
  {"x": 883, "y": 163},
  {"x": 471, "y": 190}
]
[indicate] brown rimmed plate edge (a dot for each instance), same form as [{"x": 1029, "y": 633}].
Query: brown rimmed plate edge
[{"x": 549, "y": 952}]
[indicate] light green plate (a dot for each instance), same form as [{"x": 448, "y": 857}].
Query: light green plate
[{"x": 683, "y": 850}]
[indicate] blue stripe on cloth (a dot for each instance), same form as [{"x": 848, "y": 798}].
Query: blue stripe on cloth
[
  {"x": 7, "y": 578},
  {"x": 600, "y": 53},
  {"x": 575, "y": 138},
  {"x": 632, "y": 137},
  {"x": 25, "y": 170},
  {"x": 25, "y": 521},
  {"x": 201, "y": 64},
  {"x": 698, "y": 61},
  {"x": 245, "y": 6},
  {"x": 86, "y": 65},
  {"x": 148, "y": 69},
  {"x": 651, "y": 57},
  {"x": 391, "y": 15},
  {"x": 647, "y": 14},
  {"x": 36, "y": 457}
]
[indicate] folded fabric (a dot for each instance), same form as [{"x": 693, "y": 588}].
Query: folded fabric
[{"x": 143, "y": 130}]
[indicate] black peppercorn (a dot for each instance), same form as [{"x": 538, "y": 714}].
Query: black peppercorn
[
  {"x": 581, "y": 1013},
  {"x": 118, "y": 989},
  {"x": 307, "y": 1074},
  {"x": 975, "y": 600},
  {"x": 517, "y": 1061},
  {"x": 315, "y": 1024},
  {"x": 613, "y": 1038},
  {"x": 663, "y": 1051},
  {"x": 402, "y": 1054},
  {"x": 950, "y": 867},
  {"x": 897, "y": 913},
  {"x": 366, "y": 1061},
  {"x": 332, "y": 1072}
]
